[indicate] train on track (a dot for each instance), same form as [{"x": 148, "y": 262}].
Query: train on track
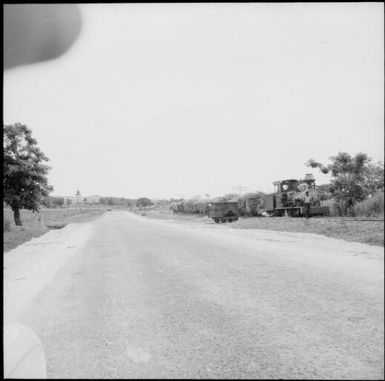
[{"x": 288, "y": 199}]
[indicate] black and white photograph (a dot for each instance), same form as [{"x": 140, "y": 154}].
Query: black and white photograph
[{"x": 193, "y": 190}]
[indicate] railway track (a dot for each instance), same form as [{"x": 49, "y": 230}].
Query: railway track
[{"x": 350, "y": 219}]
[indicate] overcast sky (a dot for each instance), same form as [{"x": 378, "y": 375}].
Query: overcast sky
[{"x": 185, "y": 99}]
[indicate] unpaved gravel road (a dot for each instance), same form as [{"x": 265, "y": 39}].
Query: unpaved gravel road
[{"x": 130, "y": 297}]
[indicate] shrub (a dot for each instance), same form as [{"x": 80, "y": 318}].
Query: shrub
[
  {"x": 7, "y": 225},
  {"x": 371, "y": 207},
  {"x": 335, "y": 208}
]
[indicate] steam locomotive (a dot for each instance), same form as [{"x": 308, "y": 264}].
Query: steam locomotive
[{"x": 288, "y": 199}]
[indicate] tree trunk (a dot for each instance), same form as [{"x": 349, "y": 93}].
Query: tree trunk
[{"x": 16, "y": 216}]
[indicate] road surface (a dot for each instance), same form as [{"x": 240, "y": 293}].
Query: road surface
[{"x": 148, "y": 298}]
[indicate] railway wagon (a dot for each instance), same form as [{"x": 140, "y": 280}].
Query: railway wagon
[{"x": 224, "y": 211}]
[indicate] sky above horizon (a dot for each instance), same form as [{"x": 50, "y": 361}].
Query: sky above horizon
[{"x": 176, "y": 100}]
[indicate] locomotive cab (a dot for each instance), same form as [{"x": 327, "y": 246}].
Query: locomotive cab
[{"x": 285, "y": 193}]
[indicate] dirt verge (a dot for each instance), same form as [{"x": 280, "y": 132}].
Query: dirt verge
[
  {"x": 37, "y": 224},
  {"x": 366, "y": 231}
]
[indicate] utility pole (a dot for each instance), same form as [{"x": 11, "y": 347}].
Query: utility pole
[{"x": 77, "y": 198}]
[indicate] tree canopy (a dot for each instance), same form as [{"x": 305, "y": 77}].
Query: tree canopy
[
  {"x": 354, "y": 178},
  {"x": 143, "y": 202},
  {"x": 52, "y": 202},
  {"x": 25, "y": 180}
]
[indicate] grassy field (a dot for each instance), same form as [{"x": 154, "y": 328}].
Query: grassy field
[
  {"x": 350, "y": 229},
  {"x": 35, "y": 224}
]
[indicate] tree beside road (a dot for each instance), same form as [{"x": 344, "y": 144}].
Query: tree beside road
[{"x": 25, "y": 181}]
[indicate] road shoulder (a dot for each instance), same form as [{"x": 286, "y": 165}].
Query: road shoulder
[{"x": 32, "y": 265}]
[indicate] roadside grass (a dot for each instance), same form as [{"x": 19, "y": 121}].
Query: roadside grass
[
  {"x": 371, "y": 207},
  {"x": 349, "y": 229},
  {"x": 335, "y": 208},
  {"x": 346, "y": 228},
  {"x": 35, "y": 224},
  {"x": 7, "y": 225}
]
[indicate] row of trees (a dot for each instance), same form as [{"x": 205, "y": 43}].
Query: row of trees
[
  {"x": 125, "y": 202},
  {"x": 115, "y": 201},
  {"x": 58, "y": 202},
  {"x": 54, "y": 202}
]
